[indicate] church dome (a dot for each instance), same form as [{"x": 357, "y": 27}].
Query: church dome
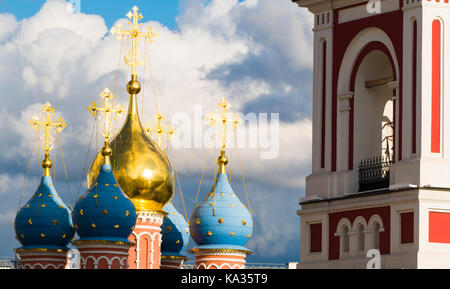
[
  {"x": 104, "y": 212},
  {"x": 221, "y": 218},
  {"x": 175, "y": 233},
  {"x": 44, "y": 222},
  {"x": 142, "y": 170}
]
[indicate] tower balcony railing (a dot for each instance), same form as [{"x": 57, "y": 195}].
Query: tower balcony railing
[{"x": 374, "y": 173}]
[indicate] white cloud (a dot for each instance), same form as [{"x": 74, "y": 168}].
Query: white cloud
[
  {"x": 7, "y": 218},
  {"x": 55, "y": 15},
  {"x": 280, "y": 24},
  {"x": 8, "y": 24},
  {"x": 7, "y": 182},
  {"x": 29, "y": 76}
]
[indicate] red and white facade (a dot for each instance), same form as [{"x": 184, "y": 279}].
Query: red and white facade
[
  {"x": 42, "y": 258},
  {"x": 379, "y": 86},
  {"x": 219, "y": 259},
  {"x": 103, "y": 254},
  {"x": 146, "y": 254}
]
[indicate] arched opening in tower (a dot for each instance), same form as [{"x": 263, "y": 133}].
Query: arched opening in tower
[{"x": 373, "y": 121}]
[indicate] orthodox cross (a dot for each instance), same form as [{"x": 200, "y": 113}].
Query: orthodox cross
[
  {"x": 160, "y": 129},
  {"x": 51, "y": 128},
  {"x": 135, "y": 33},
  {"x": 110, "y": 110},
  {"x": 223, "y": 119}
]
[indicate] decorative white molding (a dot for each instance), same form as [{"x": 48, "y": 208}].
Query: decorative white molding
[
  {"x": 346, "y": 96},
  {"x": 147, "y": 227},
  {"x": 122, "y": 261},
  {"x": 410, "y": 4},
  {"x": 323, "y": 20},
  {"x": 359, "y": 220},
  {"x": 151, "y": 217},
  {"x": 219, "y": 253},
  {"x": 344, "y": 101},
  {"x": 360, "y": 11},
  {"x": 340, "y": 227},
  {"x": 107, "y": 252},
  {"x": 393, "y": 84},
  {"x": 221, "y": 259},
  {"x": 373, "y": 220},
  {"x": 204, "y": 266},
  {"x": 41, "y": 266}
]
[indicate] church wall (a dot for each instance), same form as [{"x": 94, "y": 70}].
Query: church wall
[
  {"x": 146, "y": 254},
  {"x": 335, "y": 218},
  {"x": 434, "y": 251},
  {"x": 306, "y": 220},
  {"x": 386, "y": 208},
  {"x": 219, "y": 260}
]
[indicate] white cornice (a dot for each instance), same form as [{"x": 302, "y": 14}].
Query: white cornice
[{"x": 321, "y": 5}]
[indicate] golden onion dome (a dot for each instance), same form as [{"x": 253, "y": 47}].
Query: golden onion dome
[{"x": 142, "y": 170}]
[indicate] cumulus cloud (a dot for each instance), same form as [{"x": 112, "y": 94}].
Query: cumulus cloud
[
  {"x": 9, "y": 181},
  {"x": 8, "y": 25},
  {"x": 257, "y": 53}
]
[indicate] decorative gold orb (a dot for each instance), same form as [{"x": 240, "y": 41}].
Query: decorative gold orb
[
  {"x": 133, "y": 87},
  {"x": 222, "y": 160},
  {"x": 141, "y": 169},
  {"x": 47, "y": 163},
  {"x": 106, "y": 151}
]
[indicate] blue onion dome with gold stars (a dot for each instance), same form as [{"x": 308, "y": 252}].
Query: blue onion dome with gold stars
[
  {"x": 44, "y": 222},
  {"x": 175, "y": 233},
  {"x": 221, "y": 220},
  {"x": 104, "y": 213}
]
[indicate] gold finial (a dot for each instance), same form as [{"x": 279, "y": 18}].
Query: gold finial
[
  {"x": 160, "y": 128},
  {"x": 51, "y": 127},
  {"x": 223, "y": 118},
  {"x": 134, "y": 33},
  {"x": 111, "y": 111}
]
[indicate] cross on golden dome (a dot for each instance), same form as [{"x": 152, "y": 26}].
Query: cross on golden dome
[
  {"x": 134, "y": 33},
  {"x": 160, "y": 128},
  {"x": 110, "y": 110},
  {"x": 51, "y": 127}
]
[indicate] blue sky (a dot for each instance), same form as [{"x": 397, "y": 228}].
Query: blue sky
[
  {"x": 164, "y": 11},
  {"x": 257, "y": 53}
]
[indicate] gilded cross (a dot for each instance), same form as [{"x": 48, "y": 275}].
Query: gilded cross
[
  {"x": 223, "y": 118},
  {"x": 160, "y": 129},
  {"x": 110, "y": 110},
  {"x": 50, "y": 126},
  {"x": 134, "y": 33}
]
